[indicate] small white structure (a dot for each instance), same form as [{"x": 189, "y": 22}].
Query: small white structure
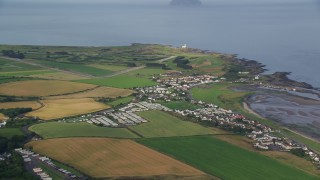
[{"x": 184, "y": 46}]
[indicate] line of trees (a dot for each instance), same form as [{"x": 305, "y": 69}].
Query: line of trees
[
  {"x": 13, "y": 54},
  {"x": 13, "y": 112},
  {"x": 182, "y": 62}
]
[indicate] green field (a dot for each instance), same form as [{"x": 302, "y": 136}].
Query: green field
[
  {"x": 224, "y": 160},
  {"x": 81, "y": 68},
  {"x": 15, "y": 66},
  {"x": 9, "y": 132},
  {"x": 121, "y": 81},
  {"x": 25, "y": 73},
  {"x": 146, "y": 72},
  {"x": 120, "y": 101},
  {"x": 109, "y": 67},
  {"x": 162, "y": 124},
  {"x": 219, "y": 94},
  {"x": 180, "y": 105},
  {"x": 58, "y": 130}
]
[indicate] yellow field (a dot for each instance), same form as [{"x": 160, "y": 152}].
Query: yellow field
[
  {"x": 59, "y": 108},
  {"x": 22, "y": 104},
  {"x": 106, "y": 92},
  {"x": 42, "y": 88},
  {"x": 59, "y": 76},
  {"x": 103, "y": 157},
  {"x": 2, "y": 117}
]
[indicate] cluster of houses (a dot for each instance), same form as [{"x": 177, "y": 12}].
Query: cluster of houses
[
  {"x": 143, "y": 106},
  {"x": 102, "y": 120},
  {"x": 128, "y": 118},
  {"x": 261, "y": 134},
  {"x": 126, "y": 115},
  {"x": 225, "y": 119},
  {"x": 187, "y": 82},
  {"x": 159, "y": 92},
  {"x": 29, "y": 156}
]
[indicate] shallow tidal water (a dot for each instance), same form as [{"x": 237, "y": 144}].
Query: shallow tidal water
[{"x": 297, "y": 113}]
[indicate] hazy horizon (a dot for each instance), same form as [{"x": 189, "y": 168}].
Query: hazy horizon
[{"x": 272, "y": 32}]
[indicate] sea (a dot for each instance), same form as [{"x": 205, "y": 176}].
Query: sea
[{"x": 284, "y": 35}]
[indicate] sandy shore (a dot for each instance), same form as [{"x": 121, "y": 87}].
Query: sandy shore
[{"x": 247, "y": 108}]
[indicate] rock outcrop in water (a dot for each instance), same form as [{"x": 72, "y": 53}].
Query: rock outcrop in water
[{"x": 185, "y": 3}]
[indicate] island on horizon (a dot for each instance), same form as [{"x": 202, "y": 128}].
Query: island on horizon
[{"x": 185, "y": 3}]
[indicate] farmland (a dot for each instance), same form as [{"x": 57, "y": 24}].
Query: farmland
[
  {"x": 109, "y": 67},
  {"x": 76, "y": 67},
  {"x": 25, "y": 73},
  {"x": 162, "y": 124},
  {"x": 15, "y": 66},
  {"x": 208, "y": 64},
  {"x": 102, "y": 158},
  {"x": 84, "y": 77},
  {"x": 59, "y": 108},
  {"x": 20, "y": 104},
  {"x": 284, "y": 157},
  {"x": 42, "y": 88},
  {"x": 120, "y": 81},
  {"x": 105, "y": 92},
  {"x": 58, "y": 130},
  {"x": 223, "y": 159},
  {"x": 55, "y": 75}
]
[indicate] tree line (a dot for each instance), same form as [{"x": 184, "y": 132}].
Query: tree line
[{"x": 13, "y": 54}]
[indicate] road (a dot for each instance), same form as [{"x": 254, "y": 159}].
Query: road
[
  {"x": 123, "y": 71},
  {"x": 37, "y": 163},
  {"x": 166, "y": 59}
]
